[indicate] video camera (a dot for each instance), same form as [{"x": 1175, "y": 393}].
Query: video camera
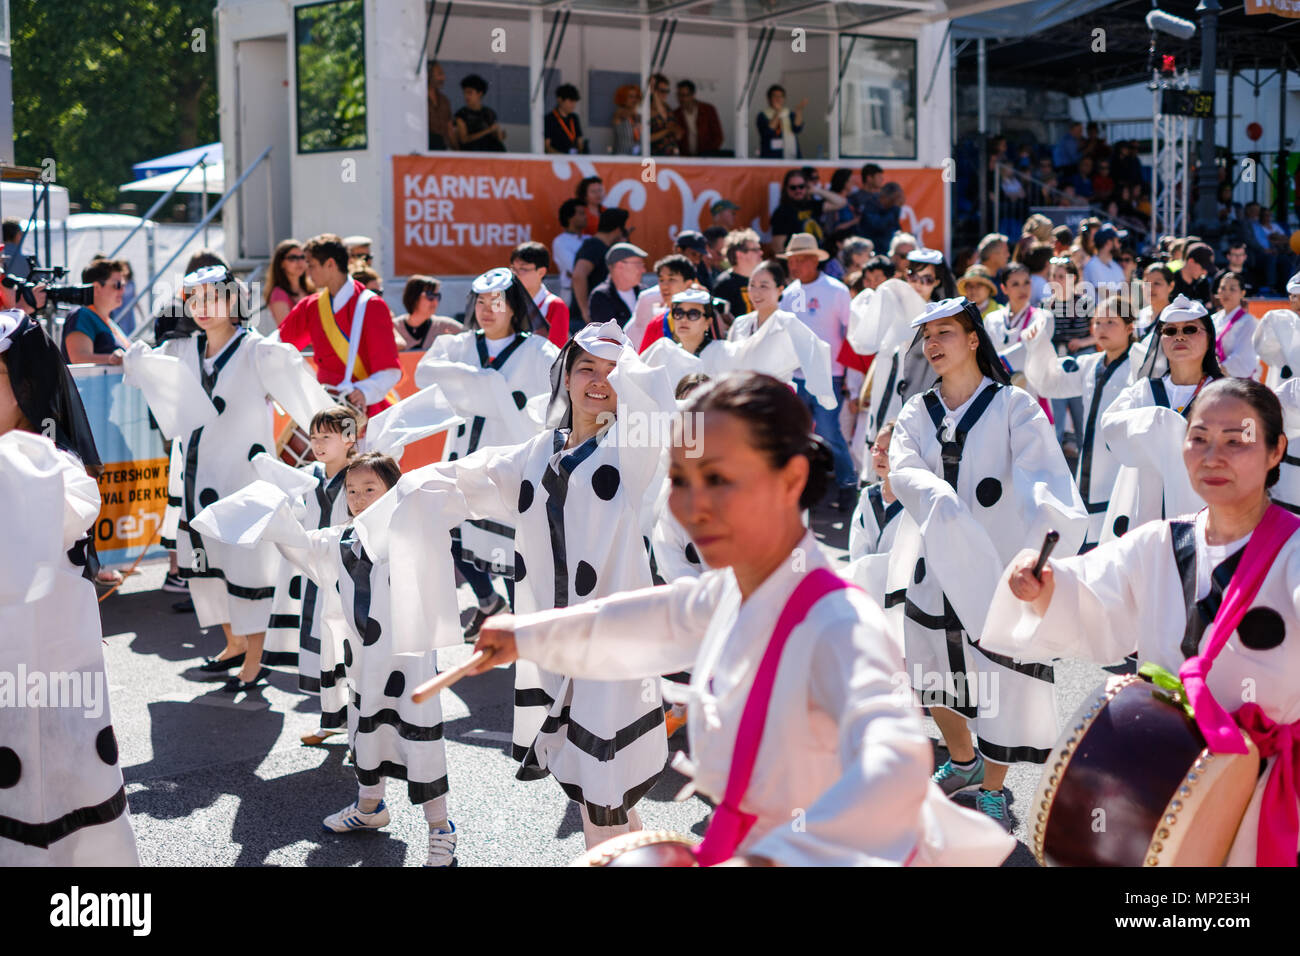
[{"x": 80, "y": 293}]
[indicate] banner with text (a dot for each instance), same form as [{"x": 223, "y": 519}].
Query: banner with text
[{"x": 460, "y": 215}]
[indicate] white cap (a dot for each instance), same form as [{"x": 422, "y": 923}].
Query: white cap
[
  {"x": 10, "y": 319},
  {"x": 605, "y": 341},
  {"x": 700, "y": 296},
  {"x": 351, "y": 241},
  {"x": 929, "y": 257},
  {"x": 944, "y": 309},
  {"x": 1293, "y": 285},
  {"x": 206, "y": 276},
  {"x": 494, "y": 280},
  {"x": 1183, "y": 309}
]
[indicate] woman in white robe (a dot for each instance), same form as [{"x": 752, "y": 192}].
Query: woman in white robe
[
  {"x": 212, "y": 390},
  {"x": 1156, "y": 589},
  {"x": 1144, "y": 427},
  {"x": 390, "y": 735},
  {"x": 1277, "y": 343},
  {"x": 62, "y": 798},
  {"x": 1234, "y": 327},
  {"x": 581, "y": 497},
  {"x": 689, "y": 343},
  {"x": 980, "y": 474},
  {"x": 1098, "y": 378},
  {"x": 489, "y": 373},
  {"x": 841, "y": 749},
  {"x": 1006, "y": 325}
]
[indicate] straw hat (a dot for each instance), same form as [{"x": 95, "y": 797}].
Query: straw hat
[
  {"x": 804, "y": 244},
  {"x": 976, "y": 273}
]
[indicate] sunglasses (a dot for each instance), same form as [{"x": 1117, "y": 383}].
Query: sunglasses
[
  {"x": 921, "y": 279},
  {"x": 432, "y": 295},
  {"x": 794, "y": 186},
  {"x": 749, "y": 249},
  {"x": 368, "y": 257},
  {"x": 1187, "y": 331},
  {"x": 693, "y": 314},
  {"x": 118, "y": 284},
  {"x": 295, "y": 257}
]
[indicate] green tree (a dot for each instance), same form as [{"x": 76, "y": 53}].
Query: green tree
[{"x": 102, "y": 84}]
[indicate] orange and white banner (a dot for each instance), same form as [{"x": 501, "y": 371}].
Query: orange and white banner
[
  {"x": 461, "y": 215},
  {"x": 1279, "y": 8}
]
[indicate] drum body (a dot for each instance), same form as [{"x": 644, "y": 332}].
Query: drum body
[
  {"x": 1131, "y": 783},
  {"x": 643, "y": 848}
]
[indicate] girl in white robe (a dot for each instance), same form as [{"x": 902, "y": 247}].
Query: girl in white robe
[
  {"x": 1156, "y": 589},
  {"x": 1006, "y": 325},
  {"x": 1277, "y": 343},
  {"x": 980, "y": 474},
  {"x": 62, "y": 798},
  {"x": 489, "y": 373},
  {"x": 581, "y": 498},
  {"x": 1234, "y": 327},
  {"x": 689, "y": 344},
  {"x": 880, "y": 325},
  {"x": 872, "y": 531},
  {"x": 1098, "y": 378},
  {"x": 211, "y": 390},
  {"x": 840, "y": 749},
  {"x": 390, "y": 735},
  {"x": 1144, "y": 427}
]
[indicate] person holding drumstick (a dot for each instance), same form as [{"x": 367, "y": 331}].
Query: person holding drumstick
[
  {"x": 1169, "y": 589},
  {"x": 843, "y": 754}
]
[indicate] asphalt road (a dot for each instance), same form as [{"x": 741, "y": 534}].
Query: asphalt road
[{"x": 213, "y": 781}]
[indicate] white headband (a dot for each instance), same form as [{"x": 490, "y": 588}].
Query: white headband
[
  {"x": 944, "y": 309},
  {"x": 929, "y": 257},
  {"x": 494, "y": 280}
]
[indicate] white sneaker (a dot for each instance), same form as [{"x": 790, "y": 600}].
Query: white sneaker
[
  {"x": 353, "y": 818},
  {"x": 442, "y": 847}
]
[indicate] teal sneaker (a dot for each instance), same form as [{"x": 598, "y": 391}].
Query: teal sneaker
[
  {"x": 993, "y": 803},
  {"x": 954, "y": 780}
]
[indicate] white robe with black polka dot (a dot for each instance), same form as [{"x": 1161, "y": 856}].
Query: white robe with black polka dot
[
  {"x": 1013, "y": 486},
  {"x": 227, "y": 586},
  {"x": 62, "y": 801},
  {"x": 1128, "y": 595}
]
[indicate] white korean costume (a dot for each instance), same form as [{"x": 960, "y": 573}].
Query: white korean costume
[
  {"x": 1128, "y": 595},
  {"x": 62, "y": 800},
  {"x": 1100, "y": 385},
  {"x": 1277, "y": 342},
  {"x": 782, "y": 347},
  {"x": 581, "y": 516},
  {"x": 491, "y": 394},
  {"x": 840, "y": 747},
  {"x": 219, "y": 408},
  {"x": 361, "y": 650},
  {"x": 880, "y": 325},
  {"x": 1004, "y": 329},
  {"x": 1012, "y": 485},
  {"x": 1233, "y": 334}
]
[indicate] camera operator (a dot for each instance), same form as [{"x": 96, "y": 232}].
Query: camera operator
[
  {"x": 15, "y": 263},
  {"x": 11, "y": 296},
  {"x": 90, "y": 336}
]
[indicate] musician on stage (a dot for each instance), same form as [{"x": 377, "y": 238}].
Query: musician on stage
[
  {"x": 839, "y": 777},
  {"x": 1167, "y": 587},
  {"x": 364, "y": 372}
]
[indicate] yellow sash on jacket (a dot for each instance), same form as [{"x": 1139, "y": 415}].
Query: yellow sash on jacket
[{"x": 339, "y": 342}]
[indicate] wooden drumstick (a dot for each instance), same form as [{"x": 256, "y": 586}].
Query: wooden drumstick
[
  {"x": 1049, "y": 542},
  {"x": 447, "y": 678}
]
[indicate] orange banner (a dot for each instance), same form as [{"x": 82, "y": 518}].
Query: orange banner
[
  {"x": 133, "y": 496},
  {"x": 1281, "y": 8},
  {"x": 460, "y": 215}
]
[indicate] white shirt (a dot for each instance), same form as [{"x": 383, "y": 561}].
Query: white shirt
[
  {"x": 564, "y": 250},
  {"x": 628, "y": 296},
  {"x": 374, "y": 388},
  {"x": 1210, "y": 556},
  {"x": 1179, "y": 395},
  {"x": 647, "y": 303},
  {"x": 1103, "y": 276},
  {"x": 823, "y": 306},
  {"x": 496, "y": 346}
]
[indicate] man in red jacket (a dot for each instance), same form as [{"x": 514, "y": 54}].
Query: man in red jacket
[
  {"x": 365, "y": 371},
  {"x": 700, "y": 120}
]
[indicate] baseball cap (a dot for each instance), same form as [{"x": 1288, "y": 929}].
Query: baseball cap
[
  {"x": 692, "y": 240},
  {"x": 722, "y": 205},
  {"x": 624, "y": 250}
]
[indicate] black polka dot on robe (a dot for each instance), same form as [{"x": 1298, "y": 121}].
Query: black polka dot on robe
[
  {"x": 988, "y": 491},
  {"x": 584, "y": 579},
  {"x": 295, "y": 587},
  {"x": 1070, "y": 365},
  {"x": 1286, "y": 371},
  {"x": 520, "y": 569},
  {"x": 692, "y": 555},
  {"x": 520, "y": 399},
  {"x": 396, "y": 684},
  {"x": 1121, "y": 525},
  {"x": 11, "y": 768},
  {"x": 254, "y": 451},
  {"x": 1261, "y": 628},
  {"x": 347, "y": 653},
  {"x": 919, "y": 574},
  {"x": 373, "y": 630},
  {"x": 208, "y": 496},
  {"x": 106, "y": 746},
  {"x": 604, "y": 481},
  {"x": 218, "y": 403},
  {"x": 525, "y": 496},
  {"x": 460, "y": 430}
]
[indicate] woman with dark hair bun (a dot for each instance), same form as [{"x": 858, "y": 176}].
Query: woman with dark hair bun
[
  {"x": 1144, "y": 427},
  {"x": 980, "y": 475},
  {"x": 837, "y": 740},
  {"x": 1211, "y": 597}
]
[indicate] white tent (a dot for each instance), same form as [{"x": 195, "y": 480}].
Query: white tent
[{"x": 191, "y": 183}]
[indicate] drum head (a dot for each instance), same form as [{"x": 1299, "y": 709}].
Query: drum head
[{"x": 652, "y": 848}]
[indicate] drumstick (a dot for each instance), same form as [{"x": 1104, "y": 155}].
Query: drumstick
[
  {"x": 447, "y": 678},
  {"x": 1049, "y": 542}
]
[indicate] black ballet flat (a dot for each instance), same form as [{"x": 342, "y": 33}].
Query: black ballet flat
[
  {"x": 234, "y": 685},
  {"x": 214, "y": 666}
]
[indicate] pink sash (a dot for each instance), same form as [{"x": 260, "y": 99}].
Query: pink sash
[
  {"x": 729, "y": 826},
  {"x": 1279, "y": 828},
  {"x": 1218, "y": 342}
]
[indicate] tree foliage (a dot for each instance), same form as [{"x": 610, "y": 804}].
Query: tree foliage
[{"x": 102, "y": 84}]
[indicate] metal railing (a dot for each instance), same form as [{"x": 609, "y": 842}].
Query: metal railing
[
  {"x": 1035, "y": 189},
  {"x": 139, "y": 331},
  {"x": 155, "y": 207}
]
